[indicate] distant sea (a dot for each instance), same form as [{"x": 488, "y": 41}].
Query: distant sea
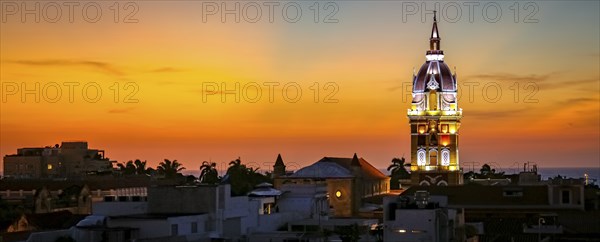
[
  {"x": 550, "y": 172},
  {"x": 569, "y": 172}
]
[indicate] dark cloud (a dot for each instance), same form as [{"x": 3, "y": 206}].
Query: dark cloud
[{"x": 97, "y": 65}]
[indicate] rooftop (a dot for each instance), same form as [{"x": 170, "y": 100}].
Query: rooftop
[{"x": 336, "y": 167}]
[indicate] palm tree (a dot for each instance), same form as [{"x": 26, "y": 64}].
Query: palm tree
[
  {"x": 235, "y": 164},
  {"x": 169, "y": 168},
  {"x": 398, "y": 171},
  {"x": 398, "y": 166},
  {"x": 140, "y": 167},
  {"x": 127, "y": 168},
  {"x": 209, "y": 173},
  {"x": 243, "y": 178}
]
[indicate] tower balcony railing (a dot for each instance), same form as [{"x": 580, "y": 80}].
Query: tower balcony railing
[
  {"x": 434, "y": 112},
  {"x": 435, "y": 168}
]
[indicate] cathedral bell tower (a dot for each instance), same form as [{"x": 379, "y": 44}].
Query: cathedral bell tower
[{"x": 434, "y": 119}]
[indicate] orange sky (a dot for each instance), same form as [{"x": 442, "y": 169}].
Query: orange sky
[{"x": 170, "y": 56}]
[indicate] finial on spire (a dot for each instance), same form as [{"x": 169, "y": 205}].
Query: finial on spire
[{"x": 434, "y": 40}]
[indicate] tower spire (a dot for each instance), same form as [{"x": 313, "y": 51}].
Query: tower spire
[{"x": 434, "y": 40}]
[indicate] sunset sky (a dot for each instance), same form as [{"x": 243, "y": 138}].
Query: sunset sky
[{"x": 547, "y": 66}]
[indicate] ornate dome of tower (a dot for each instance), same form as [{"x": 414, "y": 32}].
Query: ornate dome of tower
[
  {"x": 434, "y": 86},
  {"x": 434, "y": 74}
]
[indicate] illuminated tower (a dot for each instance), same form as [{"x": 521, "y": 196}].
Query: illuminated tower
[{"x": 434, "y": 119}]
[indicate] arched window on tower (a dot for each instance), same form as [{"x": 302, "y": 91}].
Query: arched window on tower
[
  {"x": 433, "y": 157},
  {"x": 445, "y": 157},
  {"x": 421, "y": 157},
  {"x": 433, "y": 102}
]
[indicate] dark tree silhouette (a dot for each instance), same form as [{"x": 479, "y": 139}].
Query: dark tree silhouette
[
  {"x": 169, "y": 169},
  {"x": 243, "y": 179},
  {"x": 398, "y": 171},
  {"x": 127, "y": 168},
  {"x": 209, "y": 173}
]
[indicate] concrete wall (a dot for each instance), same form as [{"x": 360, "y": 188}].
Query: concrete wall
[
  {"x": 343, "y": 205},
  {"x": 48, "y": 236},
  {"x": 184, "y": 199},
  {"x": 119, "y": 208},
  {"x": 412, "y": 225},
  {"x": 272, "y": 222},
  {"x": 576, "y": 195},
  {"x": 148, "y": 228},
  {"x": 23, "y": 166},
  {"x": 184, "y": 224}
]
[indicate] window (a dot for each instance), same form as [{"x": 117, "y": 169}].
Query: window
[
  {"x": 433, "y": 158},
  {"x": 194, "y": 227},
  {"x": 421, "y": 157},
  {"x": 445, "y": 157},
  {"x": 174, "y": 229},
  {"x": 565, "y": 197}
]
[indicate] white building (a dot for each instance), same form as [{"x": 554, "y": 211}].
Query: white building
[
  {"x": 419, "y": 218},
  {"x": 196, "y": 213}
]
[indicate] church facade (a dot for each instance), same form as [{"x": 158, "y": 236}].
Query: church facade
[
  {"x": 434, "y": 118},
  {"x": 349, "y": 182}
]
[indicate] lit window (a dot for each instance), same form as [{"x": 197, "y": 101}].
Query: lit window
[
  {"x": 421, "y": 157},
  {"x": 338, "y": 193},
  {"x": 452, "y": 130},
  {"x": 445, "y": 157},
  {"x": 49, "y": 166}
]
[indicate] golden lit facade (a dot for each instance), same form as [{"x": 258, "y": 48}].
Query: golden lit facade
[{"x": 434, "y": 119}]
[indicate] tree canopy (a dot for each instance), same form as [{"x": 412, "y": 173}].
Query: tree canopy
[
  {"x": 398, "y": 171},
  {"x": 243, "y": 179}
]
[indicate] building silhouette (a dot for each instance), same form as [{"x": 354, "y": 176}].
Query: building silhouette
[{"x": 70, "y": 159}]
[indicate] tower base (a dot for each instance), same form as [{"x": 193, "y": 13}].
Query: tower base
[{"x": 436, "y": 178}]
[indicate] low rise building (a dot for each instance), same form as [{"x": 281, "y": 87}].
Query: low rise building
[
  {"x": 421, "y": 218},
  {"x": 348, "y": 180},
  {"x": 70, "y": 159}
]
